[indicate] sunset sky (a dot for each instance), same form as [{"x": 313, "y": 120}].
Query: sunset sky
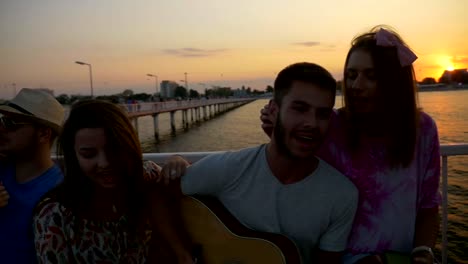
[{"x": 217, "y": 42}]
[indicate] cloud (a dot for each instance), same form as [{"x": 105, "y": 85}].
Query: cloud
[
  {"x": 307, "y": 43},
  {"x": 193, "y": 52},
  {"x": 322, "y": 46}
]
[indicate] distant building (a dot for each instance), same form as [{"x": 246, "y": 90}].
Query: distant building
[
  {"x": 457, "y": 76},
  {"x": 239, "y": 93},
  {"x": 168, "y": 89}
]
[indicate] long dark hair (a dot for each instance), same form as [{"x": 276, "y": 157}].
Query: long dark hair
[
  {"x": 75, "y": 192},
  {"x": 397, "y": 102}
]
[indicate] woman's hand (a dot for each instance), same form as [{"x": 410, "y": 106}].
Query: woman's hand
[
  {"x": 173, "y": 169},
  {"x": 4, "y": 197},
  {"x": 267, "y": 119}
]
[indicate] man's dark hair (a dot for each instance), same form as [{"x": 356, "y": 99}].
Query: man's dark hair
[{"x": 305, "y": 72}]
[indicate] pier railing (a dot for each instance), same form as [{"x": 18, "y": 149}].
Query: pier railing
[
  {"x": 209, "y": 107},
  {"x": 446, "y": 150},
  {"x": 137, "y": 109}
]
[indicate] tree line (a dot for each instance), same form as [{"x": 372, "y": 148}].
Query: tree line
[{"x": 180, "y": 93}]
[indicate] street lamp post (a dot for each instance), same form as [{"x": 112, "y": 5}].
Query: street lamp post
[
  {"x": 156, "y": 80},
  {"x": 186, "y": 83},
  {"x": 90, "y": 75}
]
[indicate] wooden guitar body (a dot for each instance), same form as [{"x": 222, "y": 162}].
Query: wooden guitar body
[{"x": 224, "y": 240}]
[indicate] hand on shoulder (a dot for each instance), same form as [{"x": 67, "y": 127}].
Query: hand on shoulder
[
  {"x": 173, "y": 169},
  {"x": 267, "y": 119}
]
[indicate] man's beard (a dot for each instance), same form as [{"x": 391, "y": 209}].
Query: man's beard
[{"x": 280, "y": 139}]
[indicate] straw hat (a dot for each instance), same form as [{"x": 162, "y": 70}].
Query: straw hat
[{"x": 38, "y": 105}]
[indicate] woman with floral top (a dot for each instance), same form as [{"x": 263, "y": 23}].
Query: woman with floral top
[{"x": 100, "y": 213}]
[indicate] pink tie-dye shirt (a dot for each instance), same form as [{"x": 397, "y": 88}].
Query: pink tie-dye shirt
[{"x": 389, "y": 198}]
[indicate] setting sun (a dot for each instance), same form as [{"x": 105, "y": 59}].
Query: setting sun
[{"x": 450, "y": 68}]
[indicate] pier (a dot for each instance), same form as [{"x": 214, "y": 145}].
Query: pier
[{"x": 200, "y": 110}]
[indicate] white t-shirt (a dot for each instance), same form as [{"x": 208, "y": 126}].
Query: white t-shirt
[{"x": 316, "y": 212}]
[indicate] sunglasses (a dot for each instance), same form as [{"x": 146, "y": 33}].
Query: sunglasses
[{"x": 11, "y": 125}]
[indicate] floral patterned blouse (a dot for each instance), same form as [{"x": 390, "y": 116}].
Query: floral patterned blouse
[{"x": 56, "y": 239}]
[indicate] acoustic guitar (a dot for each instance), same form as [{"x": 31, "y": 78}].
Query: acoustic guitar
[{"x": 222, "y": 239}]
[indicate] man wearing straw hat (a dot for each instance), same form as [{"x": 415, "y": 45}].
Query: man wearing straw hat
[{"x": 29, "y": 125}]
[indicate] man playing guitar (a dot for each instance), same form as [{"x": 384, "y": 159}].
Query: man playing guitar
[{"x": 280, "y": 187}]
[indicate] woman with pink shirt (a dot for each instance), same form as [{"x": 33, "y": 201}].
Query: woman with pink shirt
[{"x": 388, "y": 147}]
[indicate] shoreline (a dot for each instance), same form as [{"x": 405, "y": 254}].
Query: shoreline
[
  {"x": 441, "y": 87},
  {"x": 442, "y": 90}
]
